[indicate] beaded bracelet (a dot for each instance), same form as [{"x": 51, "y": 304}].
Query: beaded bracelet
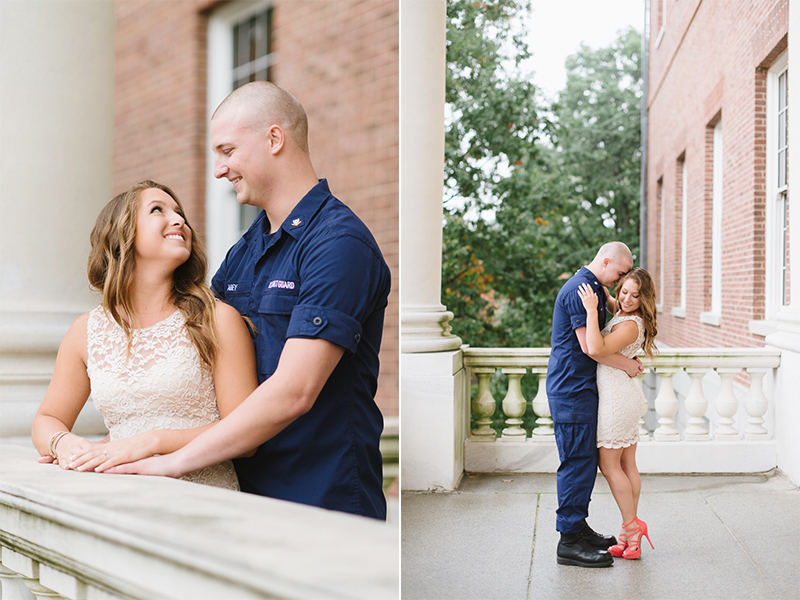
[{"x": 54, "y": 443}]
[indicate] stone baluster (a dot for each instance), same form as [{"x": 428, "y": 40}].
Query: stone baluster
[
  {"x": 666, "y": 406},
  {"x": 67, "y": 585},
  {"x": 756, "y": 405},
  {"x": 726, "y": 405},
  {"x": 696, "y": 405},
  {"x": 544, "y": 424},
  {"x": 514, "y": 406},
  {"x": 28, "y": 570},
  {"x": 483, "y": 406},
  {"x": 644, "y": 435},
  {"x": 12, "y": 585},
  {"x": 41, "y": 592}
]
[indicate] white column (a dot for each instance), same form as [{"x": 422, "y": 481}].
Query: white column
[
  {"x": 424, "y": 322},
  {"x": 435, "y": 419},
  {"x": 56, "y": 122}
]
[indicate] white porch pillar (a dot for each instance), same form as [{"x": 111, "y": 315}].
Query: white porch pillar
[
  {"x": 56, "y": 121},
  {"x": 433, "y": 415},
  {"x": 787, "y": 338}
]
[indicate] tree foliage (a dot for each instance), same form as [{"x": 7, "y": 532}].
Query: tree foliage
[
  {"x": 597, "y": 133},
  {"x": 530, "y": 199}
]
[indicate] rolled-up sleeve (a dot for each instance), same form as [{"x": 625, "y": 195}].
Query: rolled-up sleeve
[{"x": 343, "y": 280}]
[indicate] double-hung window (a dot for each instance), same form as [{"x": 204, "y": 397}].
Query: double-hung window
[{"x": 239, "y": 51}]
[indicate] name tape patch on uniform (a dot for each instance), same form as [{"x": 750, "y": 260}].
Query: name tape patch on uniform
[
  {"x": 279, "y": 283},
  {"x": 232, "y": 287}
]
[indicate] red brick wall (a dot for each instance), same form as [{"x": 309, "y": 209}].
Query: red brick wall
[
  {"x": 709, "y": 66},
  {"x": 340, "y": 59}
]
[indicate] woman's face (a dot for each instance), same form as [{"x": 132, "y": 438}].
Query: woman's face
[
  {"x": 629, "y": 296},
  {"x": 161, "y": 231}
]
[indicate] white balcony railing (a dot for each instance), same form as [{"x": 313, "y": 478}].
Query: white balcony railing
[
  {"x": 712, "y": 410},
  {"x": 84, "y": 536}
]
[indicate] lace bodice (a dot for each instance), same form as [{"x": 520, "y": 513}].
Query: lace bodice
[
  {"x": 162, "y": 384},
  {"x": 632, "y": 349}
]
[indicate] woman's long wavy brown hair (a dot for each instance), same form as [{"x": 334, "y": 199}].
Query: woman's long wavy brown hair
[
  {"x": 112, "y": 262},
  {"x": 647, "y": 306}
]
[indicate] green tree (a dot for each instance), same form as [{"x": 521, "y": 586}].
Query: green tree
[
  {"x": 529, "y": 211},
  {"x": 492, "y": 127},
  {"x": 596, "y": 132},
  {"x": 492, "y": 115}
]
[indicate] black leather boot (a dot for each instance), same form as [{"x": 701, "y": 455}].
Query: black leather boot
[
  {"x": 597, "y": 540},
  {"x": 576, "y": 551}
]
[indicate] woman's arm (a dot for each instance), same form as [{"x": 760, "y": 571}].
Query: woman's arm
[
  {"x": 632, "y": 366},
  {"x": 623, "y": 334},
  {"x": 65, "y": 397},
  {"x": 234, "y": 379}
]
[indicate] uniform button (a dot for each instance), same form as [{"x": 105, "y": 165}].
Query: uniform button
[
  {"x": 357, "y": 337},
  {"x": 317, "y": 321}
]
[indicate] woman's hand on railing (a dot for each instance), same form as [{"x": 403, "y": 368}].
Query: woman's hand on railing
[
  {"x": 65, "y": 447},
  {"x": 104, "y": 455}
]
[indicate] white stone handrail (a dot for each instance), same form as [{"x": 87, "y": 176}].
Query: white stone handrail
[
  {"x": 728, "y": 363},
  {"x": 84, "y": 536}
]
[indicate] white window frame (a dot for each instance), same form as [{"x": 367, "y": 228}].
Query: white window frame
[
  {"x": 773, "y": 259},
  {"x": 713, "y": 316},
  {"x": 663, "y": 23},
  {"x": 680, "y": 311},
  {"x": 662, "y": 260},
  {"x": 774, "y": 215},
  {"x": 222, "y": 209}
]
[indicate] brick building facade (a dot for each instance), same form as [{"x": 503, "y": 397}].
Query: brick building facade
[
  {"x": 717, "y": 200},
  {"x": 340, "y": 59}
]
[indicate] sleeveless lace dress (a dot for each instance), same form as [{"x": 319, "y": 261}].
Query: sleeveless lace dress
[
  {"x": 621, "y": 398},
  {"x": 162, "y": 385}
]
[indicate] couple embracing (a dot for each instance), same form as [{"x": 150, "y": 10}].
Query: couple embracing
[
  {"x": 595, "y": 402},
  {"x": 274, "y": 366}
]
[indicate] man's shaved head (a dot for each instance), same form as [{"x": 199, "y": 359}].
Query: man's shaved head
[{"x": 267, "y": 104}]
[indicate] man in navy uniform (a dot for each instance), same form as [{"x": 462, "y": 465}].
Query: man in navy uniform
[
  {"x": 311, "y": 278},
  {"x": 572, "y": 396}
]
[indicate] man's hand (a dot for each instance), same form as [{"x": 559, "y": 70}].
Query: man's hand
[
  {"x": 165, "y": 465},
  {"x": 634, "y": 367}
]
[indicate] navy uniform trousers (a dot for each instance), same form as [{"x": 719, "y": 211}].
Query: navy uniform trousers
[{"x": 575, "y": 425}]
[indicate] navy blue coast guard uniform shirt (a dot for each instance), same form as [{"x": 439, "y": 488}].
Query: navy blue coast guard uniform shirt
[
  {"x": 570, "y": 372},
  {"x": 321, "y": 275}
]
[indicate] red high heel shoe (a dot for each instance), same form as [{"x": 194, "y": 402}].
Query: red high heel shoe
[
  {"x": 617, "y": 549},
  {"x": 633, "y": 539}
]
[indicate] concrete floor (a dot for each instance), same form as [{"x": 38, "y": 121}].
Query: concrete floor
[{"x": 715, "y": 536}]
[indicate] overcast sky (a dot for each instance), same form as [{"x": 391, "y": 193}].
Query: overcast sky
[{"x": 559, "y": 26}]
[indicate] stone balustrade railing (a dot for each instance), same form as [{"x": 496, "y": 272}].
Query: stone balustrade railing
[
  {"x": 85, "y": 536},
  {"x": 708, "y": 411}
]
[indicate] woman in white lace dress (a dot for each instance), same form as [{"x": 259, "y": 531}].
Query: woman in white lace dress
[
  {"x": 162, "y": 359},
  {"x": 632, "y": 329}
]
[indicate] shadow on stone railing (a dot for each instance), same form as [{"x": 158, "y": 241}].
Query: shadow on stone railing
[
  {"x": 87, "y": 536},
  {"x": 709, "y": 423}
]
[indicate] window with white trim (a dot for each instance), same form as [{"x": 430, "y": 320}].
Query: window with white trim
[
  {"x": 662, "y": 249},
  {"x": 239, "y": 51},
  {"x": 680, "y": 311},
  {"x": 662, "y": 22},
  {"x": 712, "y": 317},
  {"x": 777, "y": 210}
]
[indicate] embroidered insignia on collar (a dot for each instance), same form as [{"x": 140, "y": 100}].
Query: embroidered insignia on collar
[{"x": 297, "y": 222}]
